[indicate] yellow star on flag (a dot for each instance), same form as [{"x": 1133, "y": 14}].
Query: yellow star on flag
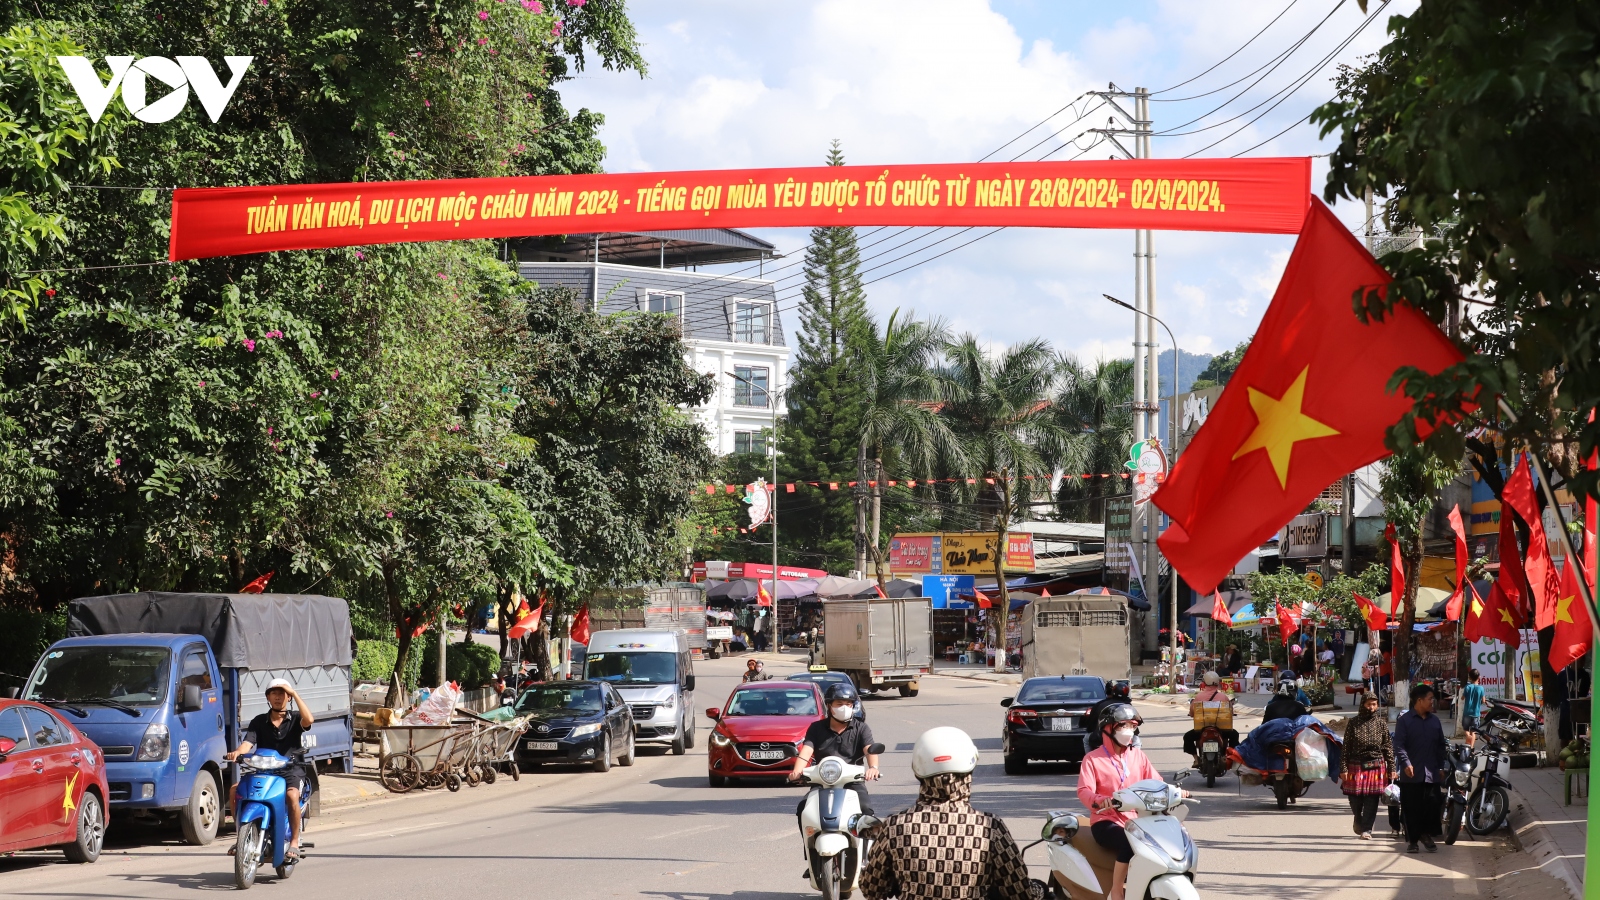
[
  {"x": 1280, "y": 425},
  {"x": 1505, "y": 614},
  {"x": 1564, "y": 609},
  {"x": 67, "y": 806}
]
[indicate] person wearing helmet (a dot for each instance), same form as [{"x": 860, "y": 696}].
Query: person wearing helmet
[
  {"x": 755, "y": 670},
  {"x": 1114, "y": 765},
  {"x": 280, "y": 730},
  {"x": 843, "y": 734},
  {"x": 1116, "y": 692},
  {"x": 941, "y": 848},
  {"x": 1210, "y": 692},
  {"x": 1288, "y": 703}
]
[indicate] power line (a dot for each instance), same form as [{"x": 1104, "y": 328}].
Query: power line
[{"x": 1253, "y": 37}]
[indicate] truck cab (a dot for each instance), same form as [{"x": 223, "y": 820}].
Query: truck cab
[{"x": 154, "y": 704}]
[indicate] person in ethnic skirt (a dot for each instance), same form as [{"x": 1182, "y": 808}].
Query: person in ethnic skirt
[{"x": 1368, "y": 761}]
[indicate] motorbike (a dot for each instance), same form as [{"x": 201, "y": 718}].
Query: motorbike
[
  {"x": 1212, "y": 760},
  {"x": 837, "y": 834},
  {"x": 1457, "y": 779},
  {"x": 1286, "y": 756},
  {"x": 263, "y": 817},
  {"x": 1287, "y": 785},
  {"x": 1488, "y": 791},
  {"x": 1164, "y": 856}
]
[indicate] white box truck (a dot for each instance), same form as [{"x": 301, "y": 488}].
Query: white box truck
[{"x": 880, "y": 643}]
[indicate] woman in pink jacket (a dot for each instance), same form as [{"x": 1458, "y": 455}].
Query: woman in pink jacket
[{"x": 1114, "y": 765}]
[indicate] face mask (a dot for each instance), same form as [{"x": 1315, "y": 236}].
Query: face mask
[
  {"x": 1124, "y": 736},
  {"x": 843, "y": 713}
]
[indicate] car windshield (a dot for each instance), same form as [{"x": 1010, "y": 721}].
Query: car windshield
[
  {"x": 633, "y": 667},
  {"x": 794, "y": 702},
  {"x": 136, "y": 676},
  {"x": 552, "y": 698},
  {"x": 1062, "y": 690}
]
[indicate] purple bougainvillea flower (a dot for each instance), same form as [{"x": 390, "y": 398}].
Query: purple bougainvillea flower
[
  {"x": 249, "y": 345},
  {"x": 576, "y": 2},
  {"x": 426, "y": 102},
  {"x": 556, "y": 29},
  {"x": 360, "y": 255},
  {"x": 388, "y": 515},
  {"x": 119, "y": 459},
  {"x": 335, "y": 374},
  {"x": 483, "y": 15},
  {"x": 533, "y": 6},
  {"x": 269, "y": 429},
  {"x": 315, "y": 394},
  {"x": 202, "y": 384}
]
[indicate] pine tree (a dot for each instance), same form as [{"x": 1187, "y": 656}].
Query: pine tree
[{"x": 819, "y": 441}]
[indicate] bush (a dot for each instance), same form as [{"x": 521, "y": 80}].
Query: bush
[
  {"x": 374, "y": 661},
  {"x": 24, "y": 635},
  {"x": 469, "y": 665}
]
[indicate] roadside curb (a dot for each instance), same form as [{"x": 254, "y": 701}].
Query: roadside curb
[
  {"x": 979, "y": 675},
  {"x": 1531, "y": 836}
]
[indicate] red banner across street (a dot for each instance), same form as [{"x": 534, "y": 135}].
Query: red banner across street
[{"x": 1243, "y": 195}]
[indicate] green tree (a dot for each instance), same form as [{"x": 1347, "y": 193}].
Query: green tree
[
  {"x": 826, "y": 401},
  {"x": 1410, "y": 486},
  {"x": 1095, "y": 404},
  {"x": 1220, "y": 368}
]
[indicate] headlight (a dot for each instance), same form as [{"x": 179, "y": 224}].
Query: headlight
[
  {"x": 581, "y": 730},
  {"x": 718, "y": 740},
  {"x": 155, "y": 744},
  {"x": 264, "y": 763},
  {"x": 670, "y": 702},
  {"x": 830, "y": 771},
  {"x": 1461, "y": 778}
]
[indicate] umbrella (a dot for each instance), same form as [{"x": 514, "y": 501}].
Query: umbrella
[
  {"x": 900, "y": 587},
  {"x": 1102, "y": 591},
  {"x": 745, "y": 590},
  {"x": 834, "y": 586}
]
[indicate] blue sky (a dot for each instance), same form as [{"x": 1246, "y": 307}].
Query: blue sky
[{"x": 736, "y": 83}]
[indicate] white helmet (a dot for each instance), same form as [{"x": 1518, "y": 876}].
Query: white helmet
[
  {"x": 1213, "y": 678},
  {"x": 943, "y": 750}
]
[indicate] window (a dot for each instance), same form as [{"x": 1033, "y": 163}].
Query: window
[
  {"x": 664, "y": 302},
  {"x": 749, "y": 442},
  {"x": 750, "y": 386},
  {"x": 768, "y": 702},
  {"x": 12, "y": 729},
  {"x": 195, "y": 670},
  {"x": 45, "y": 729},
  {"x": 751, "y": 322}
]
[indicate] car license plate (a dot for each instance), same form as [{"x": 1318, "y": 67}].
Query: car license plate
[
  {"x": 765, "y": 754},
  {"x": 541, "y": 745},
  {"x": 1063, "y": 723},
  {"x": 1212, "y": 747}
]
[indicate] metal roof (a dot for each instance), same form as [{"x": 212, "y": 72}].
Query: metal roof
[{"x": 677, "y": 248}]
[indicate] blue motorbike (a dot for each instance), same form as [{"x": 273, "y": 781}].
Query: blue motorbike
[{"x": 263, "y": 817}]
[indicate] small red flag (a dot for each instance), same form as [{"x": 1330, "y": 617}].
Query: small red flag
[
  {"x": 1573, "y": 633},
  {"x": 1045, "y": 592},
  {"x": 1494, "y": 618},
  {"x": 258, "y": 586},
  {"x": 1452, "y": 609},
  {"x": 879, "y": 589},
  {"x": 1377, "y": 619},
  {"x": 1539, "y": 568},
  {"x": 580, "y": 626},
  {"x": 789, "y": 487},
  {"x": 833, "y": 485},
  {"x": 983, "y": 599},
  {"x": 1287, "y": 624},
  {"x": 1397, "y": 572},
  {"x": 527, "y": 620},
  {"x": 763, "y": 597},
  {"x": 1308, "y": 404},
  {"x": 1511, "y": 577},
  {"x": 710, "y": 489},
  {"x": 1219, "y": 610}
]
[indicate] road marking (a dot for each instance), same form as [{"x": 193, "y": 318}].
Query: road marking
[
  {"x": 394, "y": 831},
  {"x": 688, "y": 831}
]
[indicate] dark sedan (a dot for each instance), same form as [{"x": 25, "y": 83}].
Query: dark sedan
[
  {"x": 1048, "y": 720},
  {"x": 583, "y": 722},
  {"x": 823, "y": 678}
]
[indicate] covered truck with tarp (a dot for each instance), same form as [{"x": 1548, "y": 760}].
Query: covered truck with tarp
[
  {"x": 1076, "y": 634},
  {"x": 166, "y": 683}
]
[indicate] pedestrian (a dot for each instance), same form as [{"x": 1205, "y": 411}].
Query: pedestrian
[
  {"x": 1471, "y": 706},
  {"x": 941, "y": 848},
  {"x": 1419, "y": 751},
  {"x": 1368, "y": 762},
  {"x": 1235, "y": 661}
]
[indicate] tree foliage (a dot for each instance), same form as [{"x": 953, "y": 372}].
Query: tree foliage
[{"x": 1221, "y": 367}]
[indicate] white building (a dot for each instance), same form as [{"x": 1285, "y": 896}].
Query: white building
[{"x": 731, "y": 323}]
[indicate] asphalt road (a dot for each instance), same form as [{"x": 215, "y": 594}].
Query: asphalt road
[{"x": 657, "y": 830}]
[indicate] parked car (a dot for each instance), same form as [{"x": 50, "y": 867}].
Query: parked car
[
  {"x": 826, "y": 677},
  {"x": 53, "y": 788},
  {"x": 759, "y": 730},
  {"x": 1048, "y": 720},
  {"x": 584, "y": 722}
]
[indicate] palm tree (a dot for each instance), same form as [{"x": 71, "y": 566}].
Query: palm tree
[
  {"x": 1095, "y": 403},
  {"x": 901, "y": 382}
]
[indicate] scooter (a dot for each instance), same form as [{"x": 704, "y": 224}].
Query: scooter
[
  {"x": 1164, "y": 856},
  {"x": 1287, "y": 786},
  {"x": 837, "y": 835},
  {"x": 1213, "y": 758},
  {"x": 1488, "y": 792},
  {"x": 1457, "y": 779},
  {"x": 263, "y": 817}
]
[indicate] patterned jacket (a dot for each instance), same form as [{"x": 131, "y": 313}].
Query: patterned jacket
[
  {"x": 1367, "y": 740},
  {"x": 943, "y": 849}
]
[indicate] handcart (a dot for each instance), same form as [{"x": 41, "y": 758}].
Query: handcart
[{"x": 413, "y": 756}]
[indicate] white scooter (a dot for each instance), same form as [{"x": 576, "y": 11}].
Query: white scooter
[
  {"x": 1164, "y": 856},
  {"x": 834, "y": 829}
]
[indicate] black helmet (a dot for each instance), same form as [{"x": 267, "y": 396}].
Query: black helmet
[
  {"x": 840, "y": 690},
  {"x": 1116, "y": 713},
  {"x": 1117, "y": 689},
  {"x": 1287, "y": 688}
]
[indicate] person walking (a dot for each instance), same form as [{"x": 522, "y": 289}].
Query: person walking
[
  {"x": 1471, "y": 706},
  {"x": 1368, "y": 762},
  {"x": 1419, "y": 751}
]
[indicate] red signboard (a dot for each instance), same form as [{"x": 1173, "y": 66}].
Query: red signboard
[
  {"x": 732, "y": 570},
  {"x": 1266, "y": 195},
  {"x": 1019, "y": 551},
  {"x": 911, "y": 554}
]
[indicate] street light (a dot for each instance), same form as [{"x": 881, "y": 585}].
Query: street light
[
  {"x": 1172, "y": 432},
  {"x": 772, "y": 508}
]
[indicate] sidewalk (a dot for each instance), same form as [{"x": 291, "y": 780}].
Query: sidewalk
[
  {"x": 976, "y": 672},
  {"x": 1552, "y": 834}
]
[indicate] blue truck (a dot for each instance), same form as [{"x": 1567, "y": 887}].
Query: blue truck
[{"x": 165, "y": 684}]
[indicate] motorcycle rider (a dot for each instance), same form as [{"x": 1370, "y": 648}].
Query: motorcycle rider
[
  {"x": 755, "y": 670},
  {"x": 1116, "y": 692},
  {"x": 1211, "y": 692},
  {"x": 1114, "y": 765},
  {"x": 278, "y": 730},
  {"x": 1286, "y": 703},
  {"x": 843, "y": 734},
  {"x": 941, "y": 848}
]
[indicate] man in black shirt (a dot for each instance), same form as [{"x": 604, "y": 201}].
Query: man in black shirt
[
  {"x": 280, "y": 731},
  {"x": 841, "y": 734}
]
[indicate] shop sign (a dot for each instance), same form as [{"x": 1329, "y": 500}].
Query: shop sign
[
  {"x": 969, "y": 553},
  {"x": 1019, "y": 552},
  {"x": 1119, "y": 533},
  {"x": 1305, "y": 537},
  {"x": 915, "y": 554}
]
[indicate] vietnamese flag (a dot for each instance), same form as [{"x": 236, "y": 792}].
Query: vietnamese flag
[
  {"x": 1573, "y": 632},
  {"x": 1308, "y": 404},
  {"x": 579, "y": 632},
  {"x": 1539, "y": 570},
  {"x": 1219, "y": 610},
  {"x": 527, "y": 619},
  {"x": 1496, "y": 617},
  {"x": 1397, "y": 571},
  {"x": 1377, "y": 619},
  {"x": 258, "y": 586},
  {"x": 1286, "y": 621},
  {"x": 1511, "y": 579},
  {"x": 983, "y": 599},
  {"x": 1452, "y": 609},
  {"x": 763, "y": 596}
]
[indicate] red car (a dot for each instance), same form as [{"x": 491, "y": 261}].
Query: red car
[
  {"x": 52, "y": 783},
  {"x": 758, "y": 732}
]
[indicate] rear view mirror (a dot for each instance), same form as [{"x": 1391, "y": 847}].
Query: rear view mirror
[
  {"x": 13, "y": 693},
  {"x": 190, "y": 700},
  {"x": 1007, "y": 701},
  {"x": 7, "y": 745},
  {"x": 713, "y": 713},
  {"x": 688, "y": 682},
  {"x": 875, "y": 749},
  {"x": 1060, "y": 827}
]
